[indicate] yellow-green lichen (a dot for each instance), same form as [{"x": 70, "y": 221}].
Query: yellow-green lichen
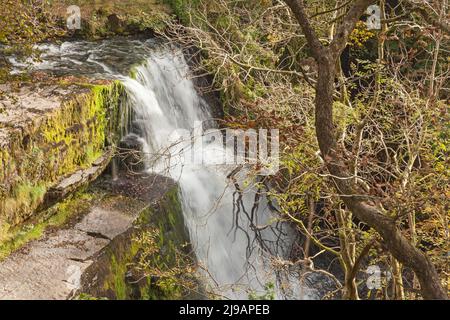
[
  {"x": 70, "y": 138},
  {"x": 25, "y": 197}
]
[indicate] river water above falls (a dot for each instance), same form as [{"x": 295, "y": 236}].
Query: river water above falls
[{"x": 236, "y": 240}]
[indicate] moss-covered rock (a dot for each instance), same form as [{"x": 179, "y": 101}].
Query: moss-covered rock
[
  {"x": 46, "y": 136},
  {"x": 152, "y": 260},
  {"x": 119, "y": 239}
]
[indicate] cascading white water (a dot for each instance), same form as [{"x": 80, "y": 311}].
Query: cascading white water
[
  {"x": 233, "y": 238},
  {"x": 224, "y": 239}
]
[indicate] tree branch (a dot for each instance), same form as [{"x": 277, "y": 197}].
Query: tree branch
[
  {"x": 298, "y": 8},
  {"x": 346, "y": 27},
  {"x": 431, "y": 18},
  {"x": 363, "y": 208}
]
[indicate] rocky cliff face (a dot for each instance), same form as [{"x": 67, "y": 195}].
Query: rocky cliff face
[
  {"x": 105, "y": 251},
  {"x": 66, "y": 231},
  {"x": 47, "y": 133}
]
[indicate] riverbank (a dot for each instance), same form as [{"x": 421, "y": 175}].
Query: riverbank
[{"x": 99, "y": 252}]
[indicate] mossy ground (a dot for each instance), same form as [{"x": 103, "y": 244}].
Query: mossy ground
[{"x": 13, "y": 238}]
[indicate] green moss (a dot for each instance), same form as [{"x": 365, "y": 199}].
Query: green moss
[
  {"x": 77, "y": 131},
  {"x": 166, "y": 251},
  {"x": 133, "y": 72},
  {"x": 13, "y": 238},
  {"x": 118, "y": 267},
  {"x": 156, "y": 253},
  {"x": 71, "y": 138},
  {"x": 85, "y": 296},
  {"x": 25, "y": 196},
  {"x": 118, "y": 272},
  {"x": 181, "y": 8}
]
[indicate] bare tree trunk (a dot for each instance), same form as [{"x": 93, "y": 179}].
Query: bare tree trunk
[
  {"x": 354, "y": 197},
  {"x": 350, "y": 288},
  {"x": 311, "y": 212},
  {"x": 348, "y": 253},
  {"x": 432, "y": 91},
  {"x": 397, "y": 280}
]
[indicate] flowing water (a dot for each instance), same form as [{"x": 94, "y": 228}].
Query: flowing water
[{"x": 235, "y": 235}]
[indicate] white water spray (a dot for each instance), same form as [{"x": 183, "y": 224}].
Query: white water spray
[
  {"x": 233, "y": 238},
  {"x": 223, "y": 232}
]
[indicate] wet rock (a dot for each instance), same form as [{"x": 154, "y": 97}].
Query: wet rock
[
  {"x": 131, "y": 154},
  {"x": 48, "y": 269},
  {"x": 136, "y": 128},
  {"x": 50, "y": 135},
  {"x": 104, "y": 224},
  {"x": 95, "y": 255},
  {"x": 74, "y": 181}
]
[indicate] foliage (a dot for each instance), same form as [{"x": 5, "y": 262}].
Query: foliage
[
  {"x": 172, "y": 279},
  {"x": 22, "y": 25},
  {"x": 392, "y": 123},
  {"x": 268, "y": 295}
]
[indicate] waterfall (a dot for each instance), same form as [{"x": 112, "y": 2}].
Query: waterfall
[
  {"x": 236, "y": 237},
  {"x": 226, "y": 240}
]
